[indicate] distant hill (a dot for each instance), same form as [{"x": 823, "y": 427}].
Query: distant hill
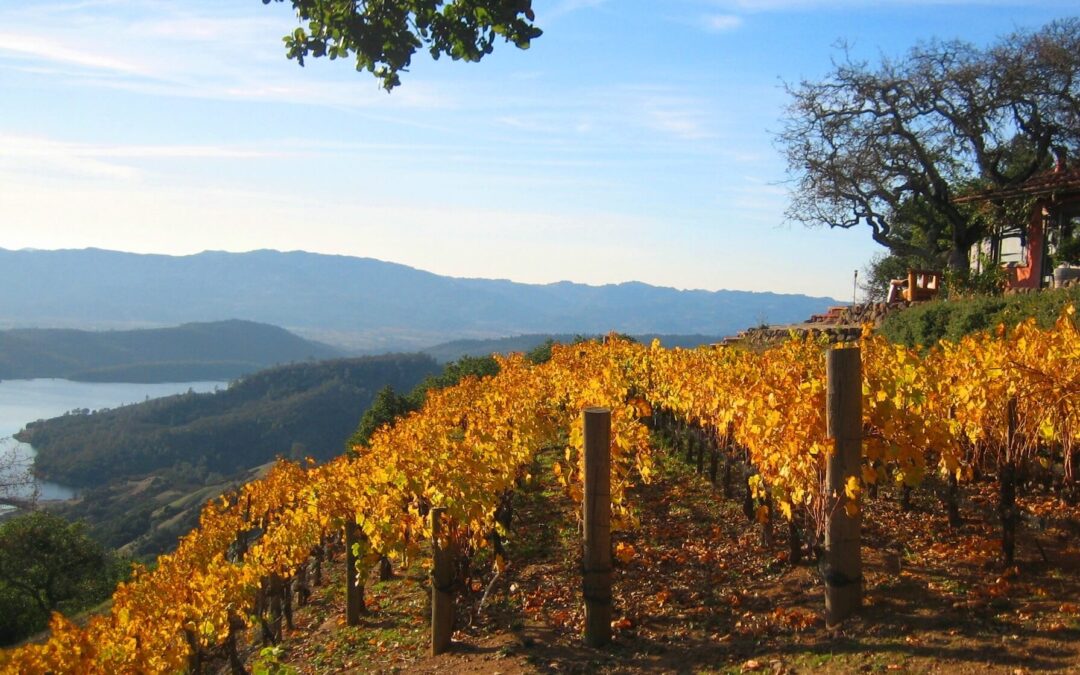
[
  {"x": 455, "y": 349},
  {"x": 220, "y": 350},
  {"x": 359, "y": 302}
]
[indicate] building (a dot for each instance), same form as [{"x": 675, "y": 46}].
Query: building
[{"x": 1028, "y": 251}]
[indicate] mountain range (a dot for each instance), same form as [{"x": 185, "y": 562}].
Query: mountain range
[{"x": 360, "y": 303}]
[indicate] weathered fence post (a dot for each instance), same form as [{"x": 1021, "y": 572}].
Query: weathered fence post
[
  {"x": 442, "y": 579},
  {"x": 354, "y": 586},
  {"x": 596, "y": 561},
  {"x": 843, "y": 558}
]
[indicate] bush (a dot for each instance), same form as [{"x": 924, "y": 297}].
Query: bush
[
  {"x": 990, "y": 280},
  {"x": 951, "y": 319},
  {"x": 48, "y": 564}
]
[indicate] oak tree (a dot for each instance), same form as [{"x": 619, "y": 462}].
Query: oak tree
[
  {"x": 868, "y": 143},
  {"x": 49, "y": 564}
]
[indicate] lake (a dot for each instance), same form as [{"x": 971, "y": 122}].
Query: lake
[{"x": 23, "y": 401}]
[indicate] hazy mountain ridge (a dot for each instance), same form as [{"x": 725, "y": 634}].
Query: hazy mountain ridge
[
  {"x": 366, "y": 303},
  {"x": 193, "y": 351},
  {"x": 455, "y": 349}
]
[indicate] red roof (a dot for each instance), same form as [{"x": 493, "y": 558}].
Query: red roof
[{"x": 1061, "y": 183}]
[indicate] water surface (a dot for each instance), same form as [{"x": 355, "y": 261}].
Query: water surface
[{"x": 23, "y": 401}]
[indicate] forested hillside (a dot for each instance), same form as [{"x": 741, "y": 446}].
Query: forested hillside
[
  {"x": 302, "y": 409},
  {"x": 219, "y": 350}
]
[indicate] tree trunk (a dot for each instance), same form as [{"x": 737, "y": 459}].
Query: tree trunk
[
  {"x": 952, "y": 501},
  {"x": 354, "y": 585},
  {"x": 727, "y": 473},
  {"x": 286, "y": 602},
  {"x": 236, "y": 664},
  {"x": 1007, "y": 483},
  {"x": 386, "y": 571},
  {"x": 905, "y": 498},
  {"x": 958, "y": 258},
  {"x": 275, "y": 593},
  {"x": 1007, "y": 511},
  {"x": 794, "y": 542}
]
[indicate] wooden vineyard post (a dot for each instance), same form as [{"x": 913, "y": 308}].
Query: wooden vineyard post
[
  {"x": 596, "y": 513},
  {"x": 442, "y": 579},
  {"x": 354, "y": 587},
  {"x": 843, "y": 558}
]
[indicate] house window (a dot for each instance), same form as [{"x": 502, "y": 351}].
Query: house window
[{"x": 1012, "y": 250}]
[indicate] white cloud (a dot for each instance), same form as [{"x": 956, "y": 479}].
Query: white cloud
[
  {"x": 720, "y": 23},
  {"x": 42, "y": 48},
  {"x": 568, "y": 7},
  {"x": 205, "y": 52},
  {"x": 673, "y": 111},
  {"x": 684, "y": 124},
  {"x": 207, "y": 29},
  {"x": 39, "y": 156},
  {"x": 50, "y": 157}
]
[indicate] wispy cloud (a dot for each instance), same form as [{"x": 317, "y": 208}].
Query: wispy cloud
[
  {"x": 207, "y": 29},
  {"x": 42, "y": 48},
  {"x": 673, "y": 112},
  {"x": 568, "y": 7},
  {"x": 685, "y": 124},
  {"x": 205, "y": 51},
  {"x": 44, "y": 156},
  {"x": 721, "y": 23},
  {"x": 52, "y": 156}
]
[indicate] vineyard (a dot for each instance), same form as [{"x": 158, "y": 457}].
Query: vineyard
[{"x": 994, "y": 413}]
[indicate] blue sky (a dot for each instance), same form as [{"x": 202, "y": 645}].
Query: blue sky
[{"x": 632, "y": 141}]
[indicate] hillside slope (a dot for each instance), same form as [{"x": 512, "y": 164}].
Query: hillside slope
[
  {"x": 361, "y": 302},
  {"x": 219, "y": 350}
]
